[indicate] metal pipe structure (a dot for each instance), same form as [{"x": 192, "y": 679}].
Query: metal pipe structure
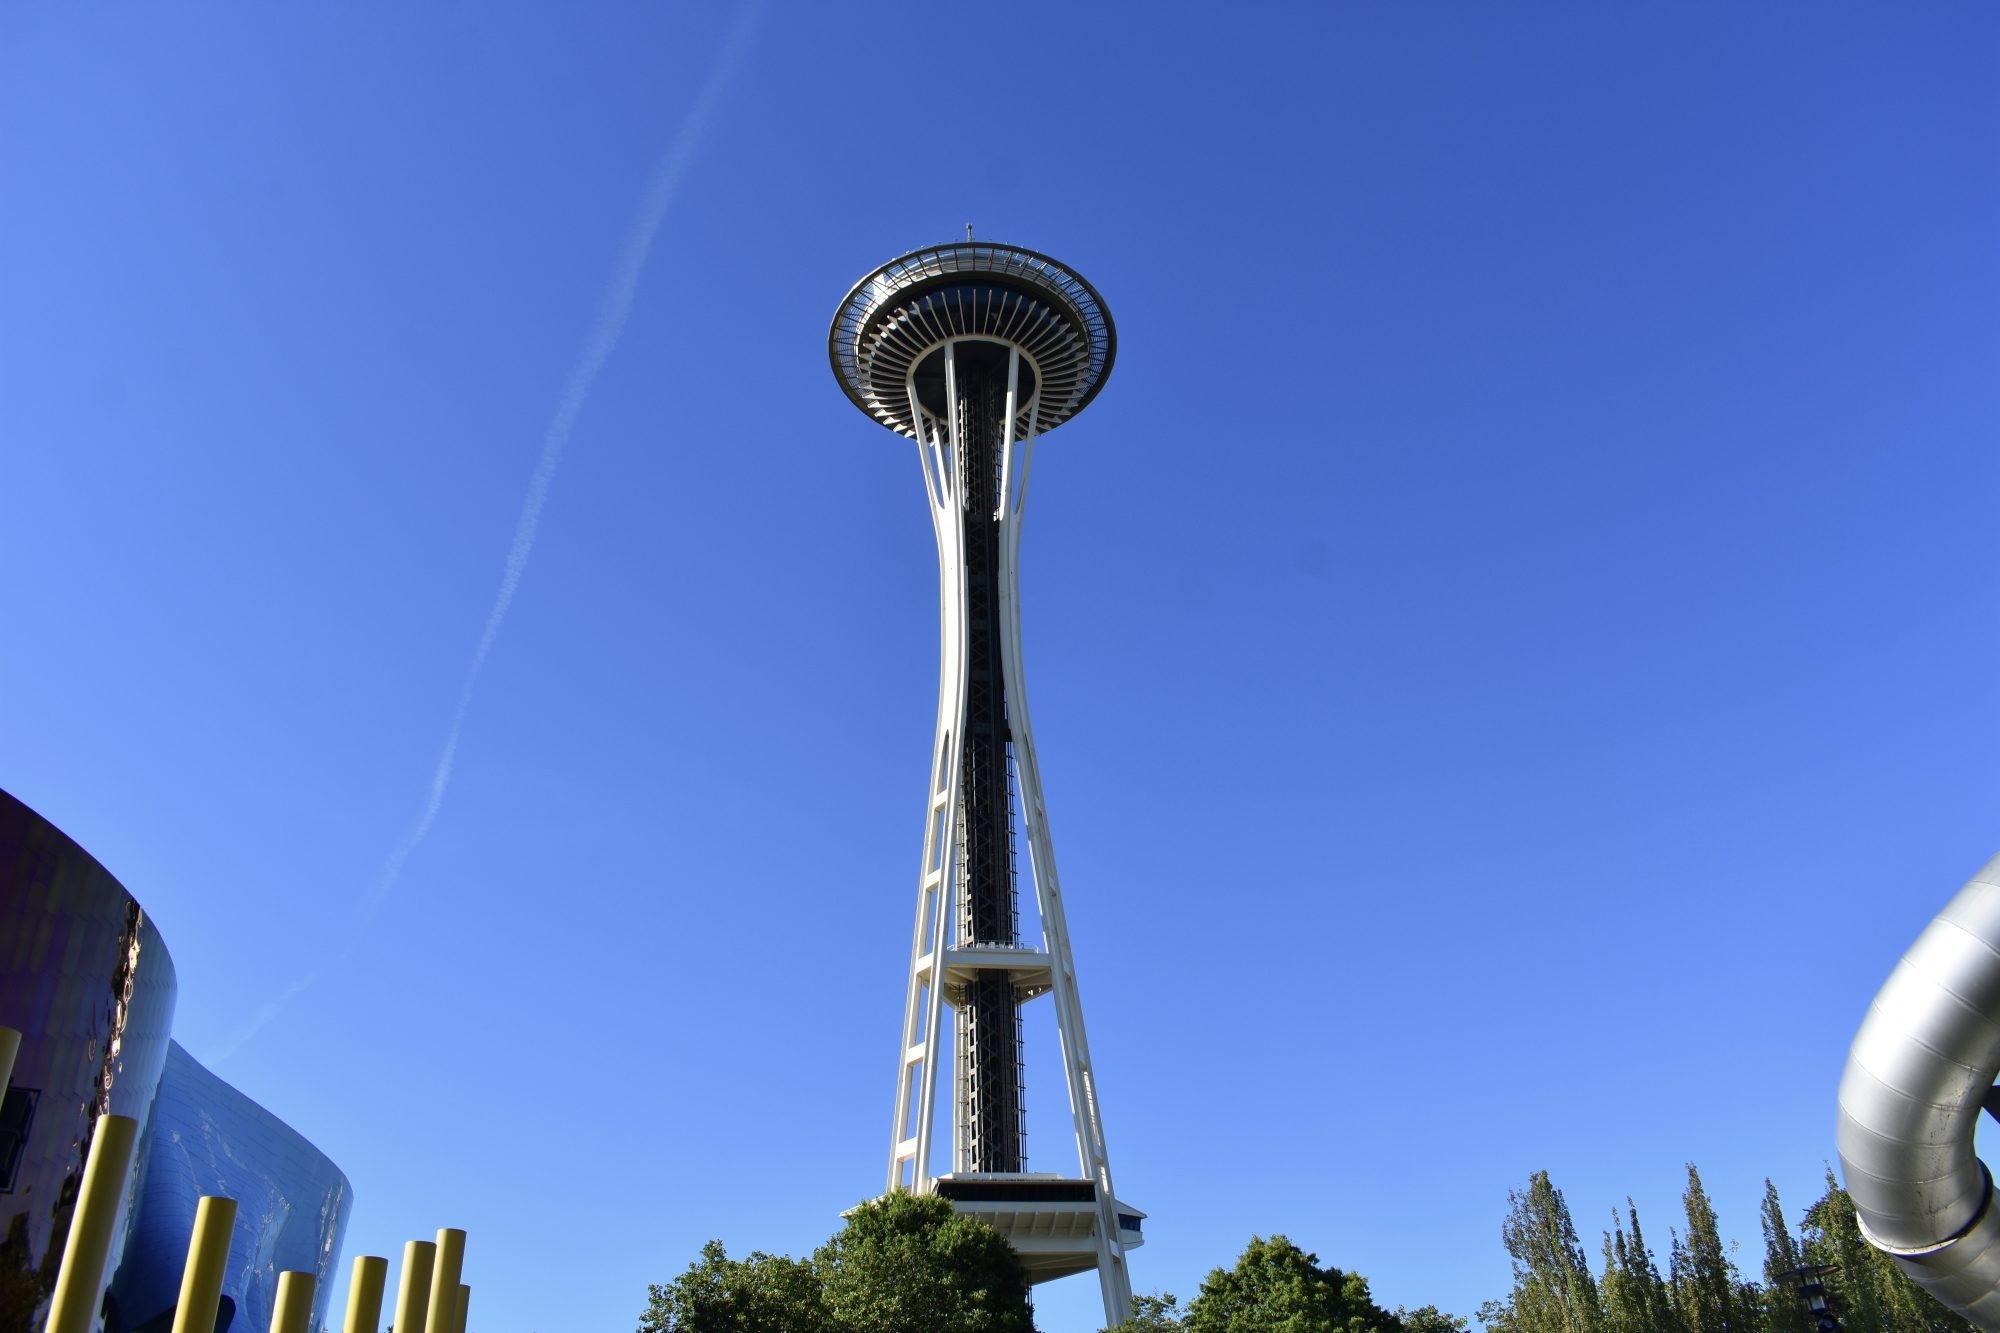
[
  {"x": 413, "y": 1290},
  {"x": 80, "y": 1279},
  {"x": 207, "y": 1262},
  {"x": 443, "y": 1316},
  {"x": 1918, "y": 1075},
  {"x": 293, "y": 1312},
  {"x": 364, "y": 1294},
  {"x": 972, "y": 350}
]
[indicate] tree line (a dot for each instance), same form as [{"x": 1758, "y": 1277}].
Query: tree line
[
  {"x": 1276, "y": 1287},
  {"x": 908, "y": 1264},
  {"x": 1557, "y": 1290}
]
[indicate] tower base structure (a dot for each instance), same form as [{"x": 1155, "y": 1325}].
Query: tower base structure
[{"x": 1051, "y": 1221}]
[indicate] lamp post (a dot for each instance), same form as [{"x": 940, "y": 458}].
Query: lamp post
[{"x": 1809, "y": 1277}]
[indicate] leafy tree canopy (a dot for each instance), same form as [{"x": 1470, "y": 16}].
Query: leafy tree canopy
[
  {"x": 1430, "y": 1319},
  {"x": 1154, "y": 1314},
  {"x": 762, "y": 1294},
  {"x": 1276, "y": 1287},
  {"x": 1707, "y": 1290},
  {"x": 1554, "y": 1291},
  {"x": 902, "y": 1264},
  {"x": 906, "y": 1263}
]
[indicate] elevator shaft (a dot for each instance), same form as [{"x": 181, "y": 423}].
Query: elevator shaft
[{"x": 989, "y": 1011}]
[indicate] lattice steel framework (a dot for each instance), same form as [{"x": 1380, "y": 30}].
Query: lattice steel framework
[{"x": 972, "y": 350}]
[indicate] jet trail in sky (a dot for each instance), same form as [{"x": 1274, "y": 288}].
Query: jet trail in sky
[{"x": 613, "y": 309}]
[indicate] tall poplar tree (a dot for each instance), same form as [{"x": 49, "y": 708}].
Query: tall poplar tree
[
  {"x": 1554, "y": 1291},
  {"x": 1634, "y": 1294},
  {"x": 1784, "y": 1307},
  {"x": 1833, "y": 1236},
  {"x": 1707, "y": 1290}
]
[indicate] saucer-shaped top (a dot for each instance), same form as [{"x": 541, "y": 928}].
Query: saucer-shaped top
[{"x": 975, "y": 290}]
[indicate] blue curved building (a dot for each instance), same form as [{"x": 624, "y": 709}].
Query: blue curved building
[
  {"x": 86, "y": 978},
  {"x": 292, "y": 1202}
]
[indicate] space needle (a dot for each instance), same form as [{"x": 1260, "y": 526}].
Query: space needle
[{"x": 973, "y": 350}]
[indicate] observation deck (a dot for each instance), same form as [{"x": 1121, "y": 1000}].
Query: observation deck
[{"x": 888, "y": 330}]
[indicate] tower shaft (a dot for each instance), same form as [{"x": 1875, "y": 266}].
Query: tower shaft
[{"x": 988, "y": 1069}]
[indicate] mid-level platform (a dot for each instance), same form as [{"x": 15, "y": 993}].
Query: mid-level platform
[{"x": 1051, "y": 1221}]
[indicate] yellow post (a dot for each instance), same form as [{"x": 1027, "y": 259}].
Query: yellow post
[
  {"x": 80, "y": 1280},
  {"x": 295, "y": 1303},
  {"x": 364, "y": 1294},
  {"x": 413, "y": 1294},
  {"x": 207, "y": 1261},
  {"x": 10, "y": 1046},
  {"x": 464, "y": 1304},
  {"x": 443, "y": 1317}
]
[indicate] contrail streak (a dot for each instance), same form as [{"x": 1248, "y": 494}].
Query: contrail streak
[{"x": 614, "y": 308}]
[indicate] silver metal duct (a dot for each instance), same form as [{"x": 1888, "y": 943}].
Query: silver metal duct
[{"x": 1916, "y": 1078}]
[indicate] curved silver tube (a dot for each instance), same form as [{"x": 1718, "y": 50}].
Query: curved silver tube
[{"x": 1916, "y": 1080}]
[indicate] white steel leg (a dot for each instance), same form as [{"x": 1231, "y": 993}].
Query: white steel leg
[{"x": 1093, "y": 1157}]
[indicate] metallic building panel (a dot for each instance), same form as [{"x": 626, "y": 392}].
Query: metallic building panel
[
  {"x": 86, "y": 977},
  {"x": 292, "y": 1201}
]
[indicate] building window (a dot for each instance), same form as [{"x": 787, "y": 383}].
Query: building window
[
  {"x": 1127, "y": 1222},
  {"x": 17, "y": 1113}
]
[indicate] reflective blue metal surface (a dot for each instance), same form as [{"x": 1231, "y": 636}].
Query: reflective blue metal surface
[
  {"x": 86, "y": 978},
  {"x": 292, "y": 1201}
]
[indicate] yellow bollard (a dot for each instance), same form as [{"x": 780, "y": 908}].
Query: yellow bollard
[
  {"x": 10, "y": 1046},
  {"x": 80, "y": 1280},
  {"x": 295, "y": 1303},
  {"x": 364, "y": 1294},
  {"x": 207, "y": 1262},
  {"x": 464, "y": 1304},
  {"x": 413, "y": 1294},
  {"x": 443, "y": 1317}
]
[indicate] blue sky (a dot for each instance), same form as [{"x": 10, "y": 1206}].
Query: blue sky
[{"x": 1511, "y": 646}]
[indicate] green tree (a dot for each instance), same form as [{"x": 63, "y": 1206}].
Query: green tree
[
  {"x": 1430, "y": 1319},
  {"x": 1634, "y": 1294},
  {"x": 1496, "y": 1317},
  {"x": 1707, "y": 1290},
  {"x": 902, "y": 1264},
  {"x": 1784, "y": 1308},
  {"x": 1154, "y": 1314},
  {"x": 906, "y": 1263},
  {"x": 762, "y": 1294},
  {"x": 1276, "y": 1287},
  {"x": 1833, "y": 1236},
  {"x": 1553, "y": 1289}
]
